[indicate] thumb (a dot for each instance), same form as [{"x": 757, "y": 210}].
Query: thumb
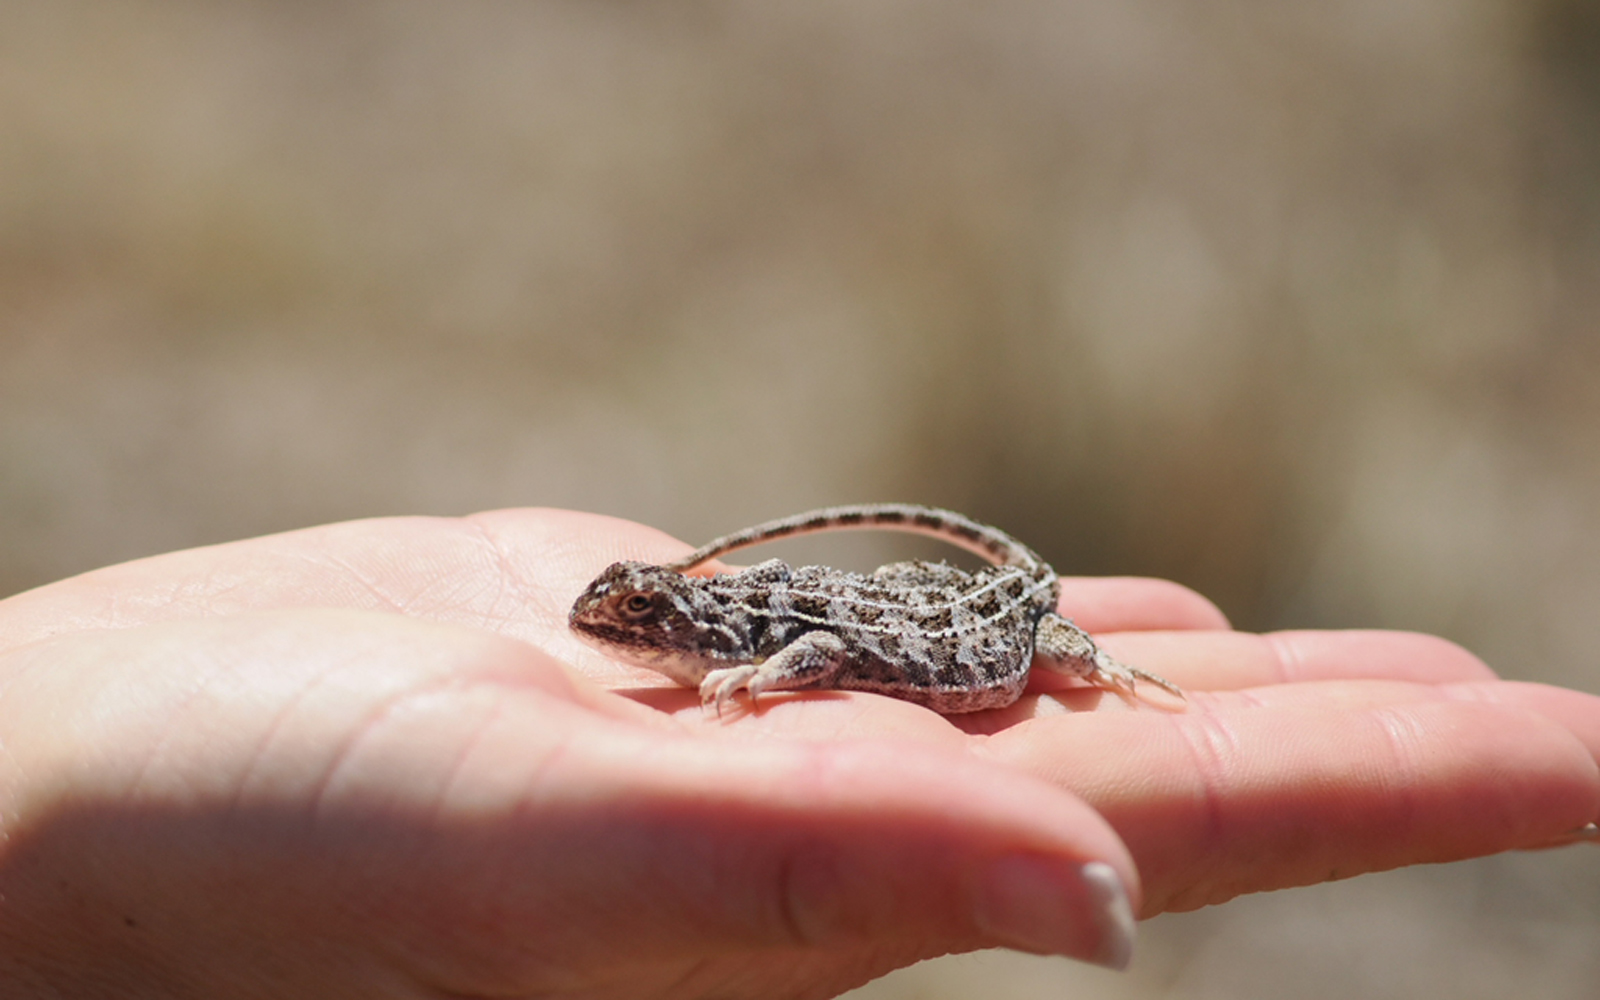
[{"x": 680, "y": 845}]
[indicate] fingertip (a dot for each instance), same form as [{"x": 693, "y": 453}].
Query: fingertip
[
  {"x": 1039, "y": 905},
  {"x": 1042, "y": 871},
  {"x": 1577, "y": 712}
]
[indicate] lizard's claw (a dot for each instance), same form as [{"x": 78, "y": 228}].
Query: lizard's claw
[
  {"x": 1109, "y": 672},
  {"x": 720, "y": 686},
  {"x": 1068, "y": 649}
]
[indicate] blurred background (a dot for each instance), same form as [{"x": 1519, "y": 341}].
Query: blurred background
[{"x": 1297, "y": 303}]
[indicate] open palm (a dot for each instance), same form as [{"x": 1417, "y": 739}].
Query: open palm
[{"x": 369, "y": 759}]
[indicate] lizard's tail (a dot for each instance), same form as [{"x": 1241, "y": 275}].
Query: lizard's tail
[{"x": 992, "y": 544}]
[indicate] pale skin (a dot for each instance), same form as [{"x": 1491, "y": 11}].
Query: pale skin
[{"x": 369, "y": 760}]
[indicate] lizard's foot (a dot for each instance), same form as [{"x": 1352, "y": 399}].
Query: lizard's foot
[
  {"x": 1109, "y": 673},
  {"x": 1068, "y": 649},
  {"x": 809, "y": 661},
  {"x": 722, "y": 684}
]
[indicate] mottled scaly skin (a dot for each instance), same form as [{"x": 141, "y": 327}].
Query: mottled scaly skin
[{"x": 952, "y": 640}]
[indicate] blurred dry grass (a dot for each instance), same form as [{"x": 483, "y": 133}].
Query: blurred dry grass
[{"x": 1295, "y": 303}]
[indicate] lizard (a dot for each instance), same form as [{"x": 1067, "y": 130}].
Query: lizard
[{"x": 929, "y": 633}]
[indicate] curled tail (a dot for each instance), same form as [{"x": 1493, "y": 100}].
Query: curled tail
[{"x": 990, "y": 543}]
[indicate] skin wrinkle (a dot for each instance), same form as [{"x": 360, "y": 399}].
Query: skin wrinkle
[
  {"x": 292, "y": 544},
  {"x": 507, "y": 581},
  {"x": 788, "y": 897},
  {"x": 492, "y": 714},
  {"x": 362, "y": 731},
  {"x": 278, "y": 721},
  {"x": 847, "y": 724},
  {"x": 447, "y": 594},
  {"x": 801, "y": 865},
  {"x": 172, "y": 594},
  {"x": 458, "y": 597},
  {"x": 552, "y": 622},
  {"x": 1403, "y": 735},
  {"x": 480, "y": 602},
  {"x": 398, "y": 950},
  {"x": 227, "y": 576},
  {"x": 1211, "y": 745},
  {"x": 182, "y": 594},
  {"x": 348, "y": 568},
  {"x": 696, "y": 969},
  {"x": 1245, "y": 697},
  {"x": 552, "y": 757},
  {"x": 1287, "y": 659},
  {"x": 822, "y": 770},
  {"x": 678, "y": 981},
  {"x": 807, "y": 872},
  {"x": 165, "y": 732}
]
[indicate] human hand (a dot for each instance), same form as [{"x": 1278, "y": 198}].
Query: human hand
[{"x": 210, "y": 782}]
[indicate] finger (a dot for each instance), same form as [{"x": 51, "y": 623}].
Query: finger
[
  {"x": 1576, "y": 711},
  {"x": 1218, "y": 803},
  {"x": 1136, "y": 604},
  {"x": 1220, "y": 661}
]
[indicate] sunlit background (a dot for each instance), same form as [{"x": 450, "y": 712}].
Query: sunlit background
[{"x": 1297, "y": 303}]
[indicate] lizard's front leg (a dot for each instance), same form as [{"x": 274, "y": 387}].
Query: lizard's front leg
[
  {"x": 1068, "y": 649},
  {"x": 807, "y": 662}
]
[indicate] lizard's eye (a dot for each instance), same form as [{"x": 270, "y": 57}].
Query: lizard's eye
[{"x": 637, "y": 605}]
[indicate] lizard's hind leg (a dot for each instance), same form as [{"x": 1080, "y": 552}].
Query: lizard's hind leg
[{"x": 1068, "y": 649}]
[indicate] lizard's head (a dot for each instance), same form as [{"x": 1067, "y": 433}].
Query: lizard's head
[{"x": 643, "y": 614}]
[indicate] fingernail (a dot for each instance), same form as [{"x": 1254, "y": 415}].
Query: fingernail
[
  {"x": 1046, "y": 907},
  {"x": 1114, "y": 912}
]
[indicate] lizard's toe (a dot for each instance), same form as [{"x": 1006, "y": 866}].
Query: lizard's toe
[
  {"x": 1110, "y": 673},
  {"x": 722, "y": 684}
]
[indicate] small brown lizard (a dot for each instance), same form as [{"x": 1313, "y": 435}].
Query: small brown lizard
[{"x": 930, "y": 633}]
